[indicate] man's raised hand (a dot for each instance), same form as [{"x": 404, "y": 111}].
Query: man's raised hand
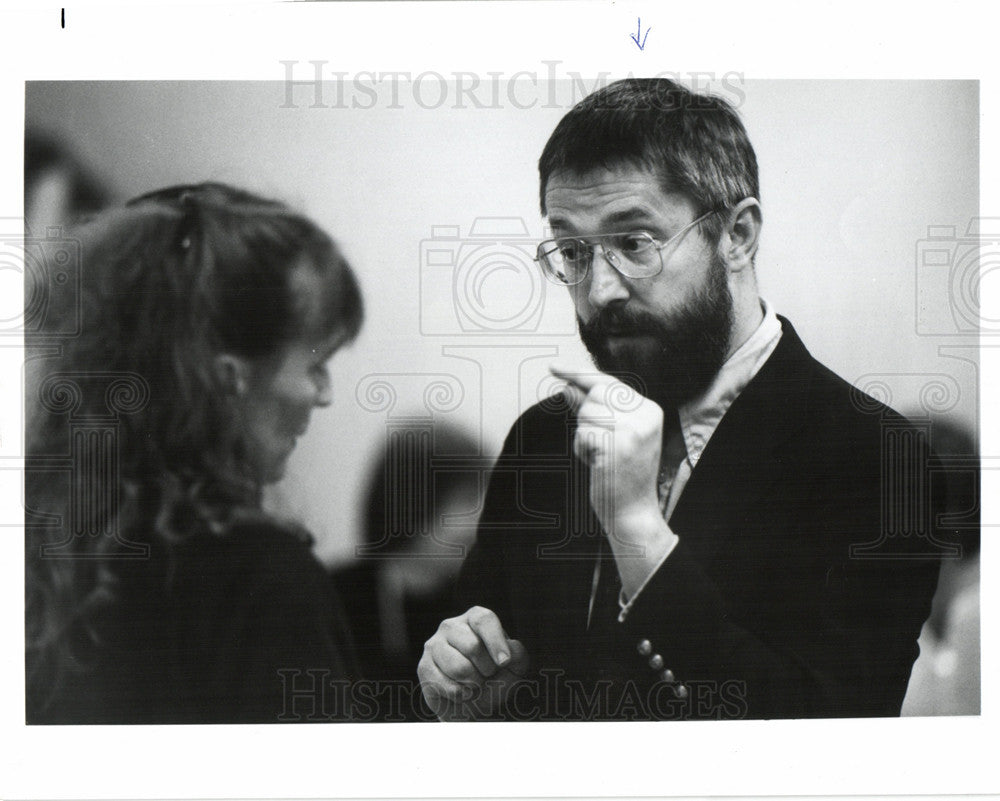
[{"x": 619, "y": 437}]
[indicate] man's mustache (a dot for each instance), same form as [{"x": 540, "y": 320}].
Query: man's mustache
[{"x": 614, "y": 320}]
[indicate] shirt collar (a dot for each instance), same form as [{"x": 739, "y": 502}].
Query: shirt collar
[{"x": 700, "y": 417}]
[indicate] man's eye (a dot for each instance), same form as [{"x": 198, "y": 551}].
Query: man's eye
[
  {"x": 571, "y": 251},
  {"x": 631, "y": 244}
]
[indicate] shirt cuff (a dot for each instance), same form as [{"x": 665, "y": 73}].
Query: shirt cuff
[{"x": 625, "y": 606}]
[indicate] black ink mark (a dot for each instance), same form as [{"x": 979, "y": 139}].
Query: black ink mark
[
  {"x": 63, "y": 19},
  {"x": 638, "y": 32}
]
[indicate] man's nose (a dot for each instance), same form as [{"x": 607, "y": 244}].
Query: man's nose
[{"x": 606, "y": 283}]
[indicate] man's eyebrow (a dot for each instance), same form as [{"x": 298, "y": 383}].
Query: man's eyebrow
[
  {"x": 560, "y": 222},
  {"x": 628, "y": 216},
  {"x": 635, "y": 214}
]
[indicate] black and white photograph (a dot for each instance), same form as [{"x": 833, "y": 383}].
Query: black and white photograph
[{"x": 482, "y": 398}]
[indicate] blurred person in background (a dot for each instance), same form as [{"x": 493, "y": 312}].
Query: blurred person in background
[
  {"x": 58, "y": 189},
  {"x": 947, "y": 676},
  {"x": 158, "y": 590},
  {"x": 421, "y": 506}
]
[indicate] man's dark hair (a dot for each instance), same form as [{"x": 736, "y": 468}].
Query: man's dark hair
[{"x": 696, "y": 143}]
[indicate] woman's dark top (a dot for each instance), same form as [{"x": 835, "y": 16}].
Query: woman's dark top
[{"x": 240, "y": 628}]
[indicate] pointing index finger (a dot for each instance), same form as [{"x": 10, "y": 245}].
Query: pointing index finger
[
  {"x": 579, "y": 378},
  {"x": 487, "y": 627}
]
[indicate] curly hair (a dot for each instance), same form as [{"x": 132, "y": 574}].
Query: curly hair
[{"x": 165, "y": 283}]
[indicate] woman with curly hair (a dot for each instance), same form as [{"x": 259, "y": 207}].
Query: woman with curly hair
[{"x": 158, "y": 590}]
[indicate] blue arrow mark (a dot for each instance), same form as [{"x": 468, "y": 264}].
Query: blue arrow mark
[{"x": 638, "y": 32}]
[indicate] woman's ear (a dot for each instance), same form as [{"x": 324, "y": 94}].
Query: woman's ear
[{"x": 232, "y": 373}]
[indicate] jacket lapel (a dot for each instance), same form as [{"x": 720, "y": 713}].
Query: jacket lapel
[{"x": 743, "y": 456}]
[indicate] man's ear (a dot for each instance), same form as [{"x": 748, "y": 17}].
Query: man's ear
[
  {"x": 743, "y": 234},
  {"x": 232, "y": 373}
]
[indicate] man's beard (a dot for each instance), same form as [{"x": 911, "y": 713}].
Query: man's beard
[{"x": 679, "y": 355}]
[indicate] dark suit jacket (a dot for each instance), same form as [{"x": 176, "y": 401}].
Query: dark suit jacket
[{"x": 806, "y": 565}]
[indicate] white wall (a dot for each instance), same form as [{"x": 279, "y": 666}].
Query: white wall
[{"x": 853, "y": 173}]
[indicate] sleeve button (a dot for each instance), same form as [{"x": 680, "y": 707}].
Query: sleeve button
[
  {"x": 656, "y": 662},
  {"x": 668, "y": 676},
  {"x": 645, "y": 647},
  {"x": 681, "y": 692}
]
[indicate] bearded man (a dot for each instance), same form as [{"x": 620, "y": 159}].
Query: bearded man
[{"x": 698, "y": 528}]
